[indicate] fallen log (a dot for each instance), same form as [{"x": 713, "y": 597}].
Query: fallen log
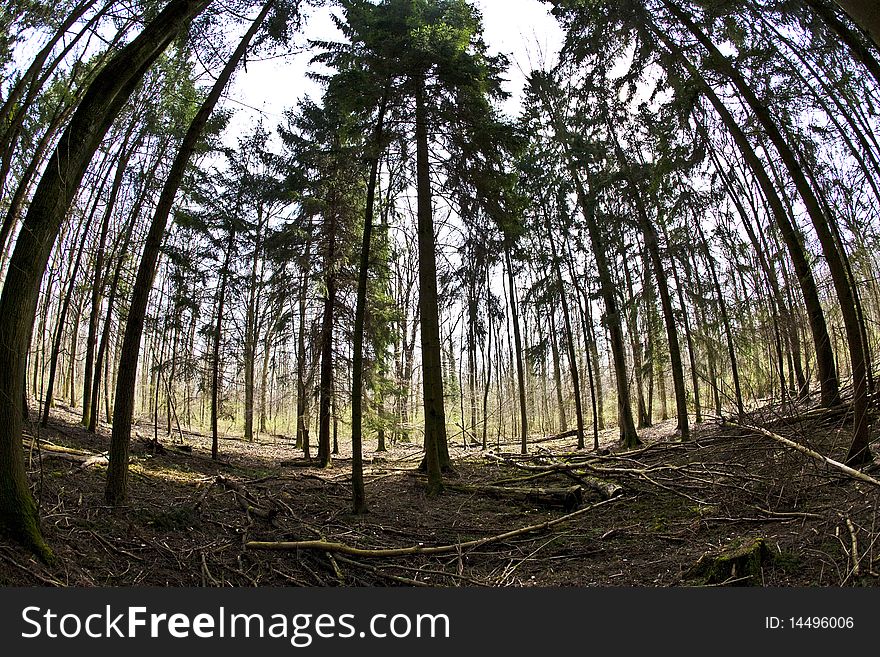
[
  {"x": 571, "y": 433},
  {"x": 569, "y": 498},
  {"x": 607, "y": 489},
  {"x": 61, "y": 449},
  {"x": 342, "y": 548},
  {"x": 85, "y": 460},
  {"x": 855, "y": 474}
]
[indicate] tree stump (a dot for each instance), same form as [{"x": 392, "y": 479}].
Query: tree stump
[{"x": 738, "y": 563}]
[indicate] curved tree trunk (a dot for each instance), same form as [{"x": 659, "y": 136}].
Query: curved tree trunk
[
  {"x": 864, "y": 13},
  {"x": 101, "y": 105},
  {"x": 859, "y": 451},
  {"x": 791, "y": 236},
  {"x": 117, "y": 471}
]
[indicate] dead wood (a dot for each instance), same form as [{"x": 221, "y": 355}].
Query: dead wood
[
  {"x": 569, "y": 498},
  {"x": 247, "y": 502},
  {"x": 571, "y": 433},
  {"x": 738, "y": 562},
  {"x": 152, "y": 444},
  {"x": 817, "y": 415},
  {"x": 380, "y": 573},
  {"x": 854, "y": 555},
  {"x": 855, "y": 474},
  {"x": 342, "y": 548},
  {"x": 61, "y": 449},
  {"x": 85, "y": 459}
]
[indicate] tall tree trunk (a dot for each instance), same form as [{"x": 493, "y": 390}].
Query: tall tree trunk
[
  {"x": 864, "y": 14},
  {"x": 98, "y": 275},
  {"x": 487, "y": 367},
  {"x": 769, "y": 271},
  {"x": 302, "y": 399},
  {"x": 25, "y": 182},
  {"x": 793, "y": 239},
  {"x": 117, "y": 471},
  {"x": 432, "y": 372},
  {"x": 74, "y": 342},
  {"x": 217, "y": 341},
  {"x": 859, "y": 49},
  {"x": 725, "y": 320},
  {"x": 327, "y": 324},
  {"x": 263, "y": 426},
  {"x": 652, "y": 245},
  {"x": 21, "y": 96},
  {"x": 569, "y": 334},
  {"x": 629, "y": 437},
  {"x": 102, "y": 103},
  {"x": 635, "y": 343},
  {"x": 859, "y": 451},
  {"x": 557, "y": 373},
  {"x": 62, "y": 316},
  {"x": 695, "y": 381},
  {"x": 114, "y": 287},
  {"x": 518, "y": 353},
  {"x": 359, "y": 499}
]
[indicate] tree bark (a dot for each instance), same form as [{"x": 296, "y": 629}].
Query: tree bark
[
  {"x": 432, "y": 372},
  {"x": 359, "y": 499},
  {"x": 100, "y": 106},
  {"x": 117, "y": 473},
  {"x": 859, "y": 451}
]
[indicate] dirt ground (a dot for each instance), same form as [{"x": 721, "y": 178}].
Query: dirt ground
[{"x": 729, "y": 492}]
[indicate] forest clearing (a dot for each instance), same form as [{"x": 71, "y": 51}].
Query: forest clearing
[{"x": 597, "y": 307}]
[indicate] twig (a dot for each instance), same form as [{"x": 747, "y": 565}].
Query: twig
[
  {"x": 336, "y": 569},
  {"x": 419, "y": 549},
  {"x": 388, "y": 576},
  {"x": 109, "y": 545},
  {"x": 508, "y": 572},
  {"x": 787, "y": 514},
  {"x": 855, "y": 474},
  {"x": 206, "y": 573},
  {"x": 855, "y": 547},
  {"x": 51, "y": 581}
]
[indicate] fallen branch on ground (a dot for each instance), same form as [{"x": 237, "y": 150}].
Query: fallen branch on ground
[
  {"x": 245, "y": 500},
  {"x": 568, "y": 498},
  {"x": 607, "y": 489},
  {"x": 852, "y": 472},
  {"x": 342, "y": 548}
]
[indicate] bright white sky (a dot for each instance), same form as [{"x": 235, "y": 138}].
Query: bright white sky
[{"x": 523, "y": 30}]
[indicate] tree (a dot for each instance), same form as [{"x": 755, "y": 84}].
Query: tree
[
  {"x": 117, "y": 472},
  {"x": 99, "y": 108},
  {"x": 434, "y": 48}
]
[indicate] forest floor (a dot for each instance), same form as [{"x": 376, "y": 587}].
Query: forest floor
[{"x": 782, "y": 518}]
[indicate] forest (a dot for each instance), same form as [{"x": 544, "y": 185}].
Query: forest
[{"x": 402, "y": 336}]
